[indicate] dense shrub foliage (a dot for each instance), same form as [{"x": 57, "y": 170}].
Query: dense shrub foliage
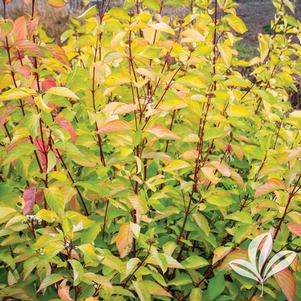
[{"x": 142, "y": 156}]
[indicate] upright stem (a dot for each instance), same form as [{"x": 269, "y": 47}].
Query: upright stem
[
  {"x": 289, "y": 200},
  {"x": 102, "y": 158},
  {"x": 32, "y": 9}
]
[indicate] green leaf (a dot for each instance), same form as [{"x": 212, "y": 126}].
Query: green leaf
[
  {"x": 181, "y": 280},
  {"x": 196, "y": 294},
  {"x": 242, "y": 216},
  {"x": 216, "y": 286},
  {"x": 55, "y": 199},
  {"x": 194, "y": 262},
  {"x": 49, "y": 280},
  {"x": 78, "y": 271}
]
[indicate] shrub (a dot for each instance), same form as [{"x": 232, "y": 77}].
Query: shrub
[{"x": 137, "y": 161}]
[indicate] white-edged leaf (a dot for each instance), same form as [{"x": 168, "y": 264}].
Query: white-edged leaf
[
  {"x": 254, "y": 247},
  {"x": 235, "y": 265},
  {"x": 272, "y": 269},
  {"x": 265, "y": 251}
]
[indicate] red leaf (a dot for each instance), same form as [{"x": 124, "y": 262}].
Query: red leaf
[
  {"x": 269, "y": 186},
  {"x": 39, "y": 196},
  {"x": 29, "y": 196},
  {"x": 43, "y": 149},
  {"x": 3, "y": 117},
  {"x": 67, "y": 125},
  {"x": 287, "y": 283},
  {"x": 294, "y": 228},
  {"x": 48, "y": 83}
]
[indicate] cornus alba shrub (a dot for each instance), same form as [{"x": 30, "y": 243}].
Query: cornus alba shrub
[{"x": 137, "y": 160}]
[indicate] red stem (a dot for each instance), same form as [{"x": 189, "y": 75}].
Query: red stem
[{"x": 289, "y": 200}]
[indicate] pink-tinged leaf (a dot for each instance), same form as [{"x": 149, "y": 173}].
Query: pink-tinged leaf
[
  {"x": 190, "y": 154},
  {"x": 270, "y": 186},
  {"x": 237, "y": 178},
  {"x": 58, "y": 53},
  {"x": 64, "y": 291},
  {"x": 295, "y": 264},
  {"x": 223, "y": 169},
  {"x": 235, "y": 254},
  {"x": 25, "y": 70},
  {"x": 220, "y": 253},
  {"x": 32, "y": 26},
  {"x": 237, "y": 151},
  {"x": 287, "y": 283},
  {"x": 208, "y": 172},
  {"x": 42, "y": 148},
  {"x": 14, "y": 144},
  {"x": 29, "y": 196},
  {"x": 48, "y": 83},
  {"x": 125, "y": 108},
  {"x": 124, "y": 240},
  {"x": 163, "y": 132},
  {"x": 20, "y": 28},
  {"x": 5, "y": 115},
  {"x": 67, "y": 125},
  {"x": 28, "y": 46},
  {"x": 114, "y": 126},
  {"x": 294, "y": 228}
]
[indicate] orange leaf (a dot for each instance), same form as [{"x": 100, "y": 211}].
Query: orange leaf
[
  {"x": 269, "y": 186},
  {"x": 124, "y": 240},
  {"x": 287, "y": 283},
  {"x": 294, "y": 228},
  {"x": 114, "y": 126},
  {"x": 162, "y": 132}
]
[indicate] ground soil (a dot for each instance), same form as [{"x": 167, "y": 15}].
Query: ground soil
[{"x": 257, "y": 14}]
